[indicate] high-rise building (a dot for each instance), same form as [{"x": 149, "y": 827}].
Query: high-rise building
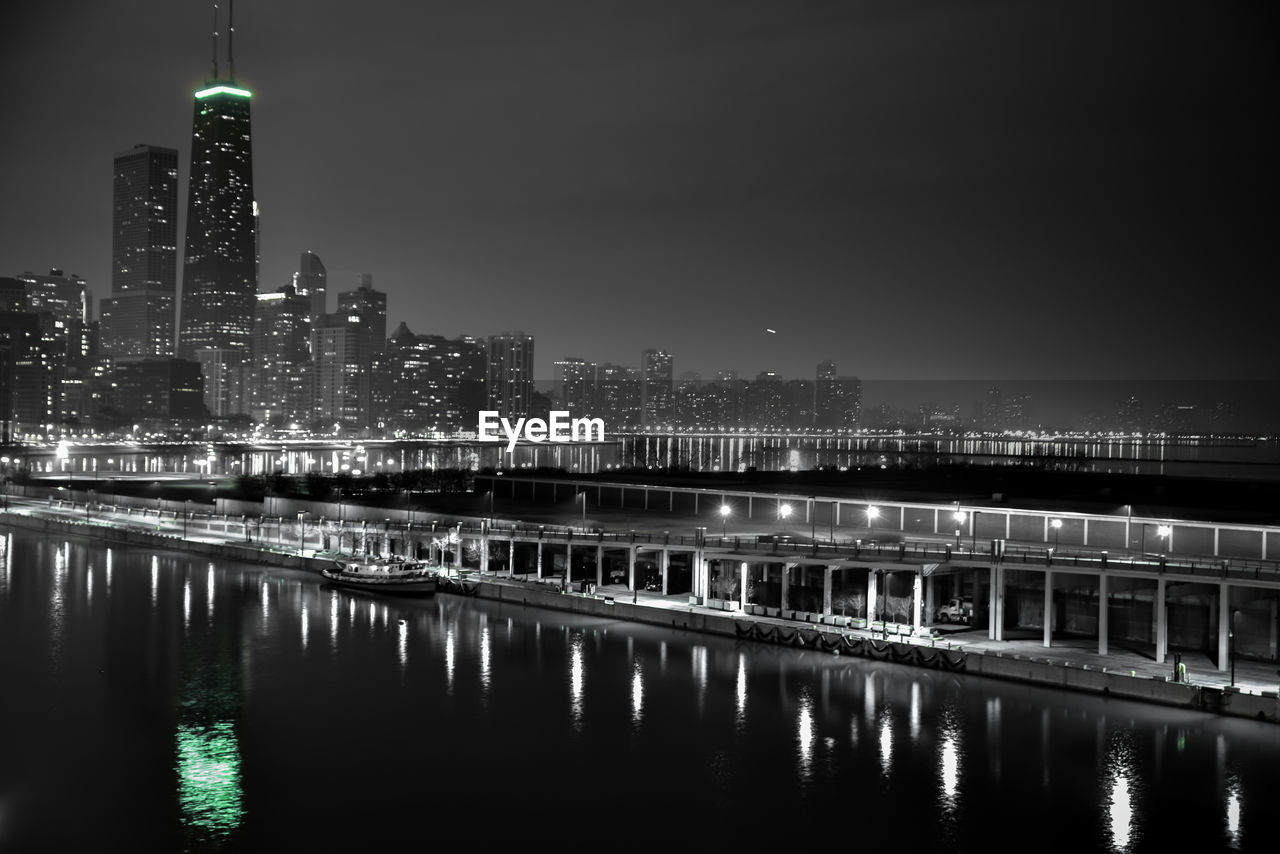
[
  {"x": 435, "y": 384},
  {"x": 365, "y": 311},
  {"x": 509, "y": 382},
  {"x": 281, "y": 351},
  {"x": 575, "y": 384},
  {"x": 617, "y": 397},
  {"x": 226, "y": 380},
  {"x": 337, "y": 348},
  {"x": 138, "y": 317},
  {"x": 311, "y": 281},
  {"x": 220, "y": 263},
  {"x": 657, "y": 372}
]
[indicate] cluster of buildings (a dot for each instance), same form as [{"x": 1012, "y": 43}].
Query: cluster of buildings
[
  {"x": 219, "y": 349},
  {"x": 650, "y": 398}
]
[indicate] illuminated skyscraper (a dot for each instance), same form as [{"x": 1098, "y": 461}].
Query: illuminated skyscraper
[
  {"x": 655, "y": 391},
  {"x": 510, "y": 373},
  {"x": 219, "y": 276},
  {"x": 138, "y": 318}
]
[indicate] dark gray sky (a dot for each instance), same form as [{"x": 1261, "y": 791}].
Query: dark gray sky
[{"x": 915, "y": 190}]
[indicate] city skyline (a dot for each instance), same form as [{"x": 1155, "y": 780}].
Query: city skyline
[{"x": 997, "y": 256}]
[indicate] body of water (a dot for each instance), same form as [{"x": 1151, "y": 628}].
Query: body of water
[{"x": 176, "y": 704}]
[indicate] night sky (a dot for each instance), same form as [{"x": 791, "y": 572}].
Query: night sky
[{"x": 921, "y": 190}]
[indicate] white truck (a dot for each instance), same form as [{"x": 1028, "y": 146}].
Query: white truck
[{"x": 955, "y": 611}]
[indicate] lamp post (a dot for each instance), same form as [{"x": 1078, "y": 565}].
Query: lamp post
[
  {"x": 784, "y": 512},
  {"x": 725, "y": 510},
  {"x": 873, "y": 513},
  {"x": 1165, "y": 533},
  {"x": 1056, "y": 524},
  {"x": 960, "y": 517},
  {"x": 1231, "y": 645}
]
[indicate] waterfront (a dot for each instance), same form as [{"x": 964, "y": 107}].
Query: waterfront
[{"x": 185, "y": 704}]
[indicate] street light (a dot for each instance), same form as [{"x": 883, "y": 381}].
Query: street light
[
  {"x": 960, "y": 517},
  {"x": 725, "y": 510},
  {"x": 784, "y": 511},
  {"x": 1165, "y": 533},
  {"x": 1056, "y": 524}
]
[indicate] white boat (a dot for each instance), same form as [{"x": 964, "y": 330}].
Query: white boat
[{"x": 401, "y": 577}]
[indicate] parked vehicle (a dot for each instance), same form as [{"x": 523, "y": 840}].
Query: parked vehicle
[{"x": 955, "y": 611}]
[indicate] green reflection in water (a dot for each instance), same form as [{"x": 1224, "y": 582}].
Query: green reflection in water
[{"x": 209, "y": 790}]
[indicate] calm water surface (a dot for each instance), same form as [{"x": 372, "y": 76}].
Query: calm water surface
[{"x": 174, "y": 704}]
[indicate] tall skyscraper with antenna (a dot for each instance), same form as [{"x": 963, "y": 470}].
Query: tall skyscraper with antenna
[{"x": 219, "y": 272}]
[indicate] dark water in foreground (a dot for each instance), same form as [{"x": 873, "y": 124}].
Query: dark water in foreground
[{"x": 171, "y": 704}]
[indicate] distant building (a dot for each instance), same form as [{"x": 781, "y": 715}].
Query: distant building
[
  {"x": 281, "y": 355},
  {"x": 365, "y": 310},
  {"x": 339, "y": 348},
  {"x": 617, "y": 400},
  {"x": 138, "y": 319},
  {"x": 227, "y": 374},
  {"x": 436, "y": 384},
  {"x": 157, "y": 389},
  {"x": 28, "y": 375},
  {"x": 220, "y": 261},
  {"x": 509, "y": 383},
  {"x": 575, "y": 381},
  {"x": 311, "y": 281},
  {"x": 837, "y": 401},
  {"x": 657, "y": 370}
]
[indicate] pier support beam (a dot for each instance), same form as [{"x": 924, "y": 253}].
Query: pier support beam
[
  {"x": 568, "y": 564},
  {"x": 666, "y": 567},
  {"x": 871, "y": 595},
  {"x": 1224, "y": 624},
  {"x": 1048, "y": 609},
  {"x": 742, "y": 585},
  {"x": 631, "y": 567},
  {"x": 484, "y": 553},
  {"x": 917, "y": 595},
  {"x": 995, "y": 615},
  {"x": 826, "y": 591},
  {"x": 929, "y": 603},
  {"x": 511, "y": 556},
  {"x": 539, "y": 560},
  {"x": 599, "y": 566},
  {"x": 1102, "y": 614},
  {"x": 783, "y": 602},
  {"x": 1162, "y": 622}
]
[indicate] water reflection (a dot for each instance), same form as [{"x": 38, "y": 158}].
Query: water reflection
[
  {"x": 804, "y": 736},
  {"x": 1233, "y": 812},
  {"x": 484, "y": 653},
  {"x": 209, "y": 778},
  {"x": 886, "y": 744},
  {"x": 637, "y": 693},
  {"x": 740, "y": 691},
  {"x": 403, "y": 643},
  {"x": 949, "y": 766},
  {"x": 449, "y": 654},
  {"x": 575, "y": 679},
  {"x": 302, "y": 627},
  {"x": 1121, "y": 772}
]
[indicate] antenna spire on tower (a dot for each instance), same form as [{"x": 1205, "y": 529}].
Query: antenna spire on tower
[
  {"x": 215, "y": 41},
  {"x": 231, "y": 34}
]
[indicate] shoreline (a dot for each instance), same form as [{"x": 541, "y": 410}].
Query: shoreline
[{"x": 1024, "y": 669}]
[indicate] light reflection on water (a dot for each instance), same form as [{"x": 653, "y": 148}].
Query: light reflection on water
[{"x": 720, "y": 720}]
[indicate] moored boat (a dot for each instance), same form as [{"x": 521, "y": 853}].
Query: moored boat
[{"x": 386, "y": 575}]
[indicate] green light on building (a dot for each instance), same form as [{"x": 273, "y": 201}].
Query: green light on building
[
  {"x": 209, "y": 785},
  {"x": 223, "y": 90}
]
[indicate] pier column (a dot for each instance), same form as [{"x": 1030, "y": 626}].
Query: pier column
[
  {"x": 826, "y": 590},
  {"x": 539, "y": 560},
  {"x": 568, "y": 564},
  {"x": 457, "y": 554},
  {"x": 917, "y": 594},
  {"x": 742, "y": 585},
  {"x": 599, "y": 566},
  {"x": 1048, "y": 608},
  {"x": 1224, "y": 624},
  {"x": 511, "y": 556},
  {"x": 930, "y": 606},
  {"x": 1102, "y": 614},
  {"x": 782, "y": 602},
  {"x": 631, "y": 567},
  {"x": 666, "y": 565},
  {"x": 995, "y": 627},
  {"x": 871, "y": 596},
  {"x": 1162, "y": 623},
  {"x": 484, "y": 553}
]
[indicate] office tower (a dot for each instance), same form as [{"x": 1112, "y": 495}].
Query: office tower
[
  {"x": 338, "y": 347},
  {"x": 797, "y": 405},
  {"x": 138, "y": 317},
  {"x": 575, "y": 384},
  {"x": 219, "y": 274},
  {"x": 433, "y": 382},
  {"x": 617, "y": 397},
  {"x": 226, "y": 380},
  {"x": 158, "y": 390},
  {"x": 765, "y": 406},
  {"x": 281, "y": 351},
  {"x": 656, "y": 369},
  {"x": 365, "y": 310},
  {"x": 509, "y": 383},
  {"x": 310, "y": 281},
  {"x": 837, "y": 400},
  {"x": 65, "y": 297},
  {"x": 62, "y": 304},
  {"x": 27, "y": 376}
]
